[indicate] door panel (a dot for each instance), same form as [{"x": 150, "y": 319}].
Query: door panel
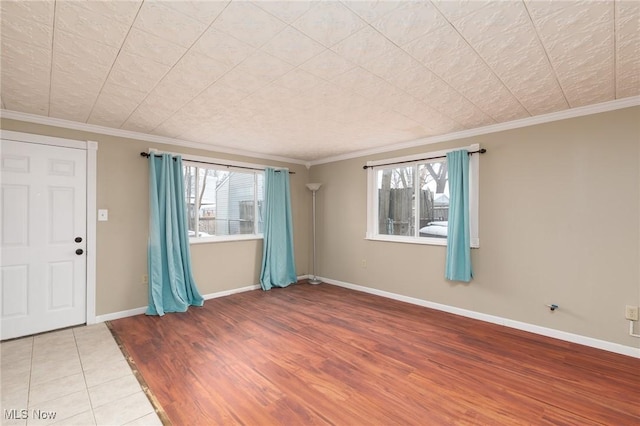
[
  {"x": 15, "y": 215},
  {"x": 15, "y": 286},
  {"x": 43, "y": 280},
  {"x": 60, "y": 285},
  {"x": 62, "y": 222}
]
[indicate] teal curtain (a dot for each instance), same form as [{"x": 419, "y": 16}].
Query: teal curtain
[
  {"x": 458, "y": 263},
  {"x": 171, "y": 284},
  {"x": 278, "y": 262}
]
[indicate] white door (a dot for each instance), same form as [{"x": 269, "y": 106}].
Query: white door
[{"x": 43, "y": 238}]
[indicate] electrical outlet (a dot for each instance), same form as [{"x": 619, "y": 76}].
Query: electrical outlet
[
  {"x": 631, "y": 313},
  {"x": 145, "y": 279},
  {"x": 363, "y": 262}
]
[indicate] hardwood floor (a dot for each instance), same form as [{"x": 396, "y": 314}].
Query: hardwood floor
[{"x": 327, "y": 355}]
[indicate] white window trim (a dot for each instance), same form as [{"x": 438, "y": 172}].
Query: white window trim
[
  {"x": 225, "y": 238},
  {"x": 227, "y": 164},
  {"x": 235, "y": 237},
  {"x": 196, "y": 161},
  {"x": 372, "y": 198}
]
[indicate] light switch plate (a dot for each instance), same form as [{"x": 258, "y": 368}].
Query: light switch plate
[{"x": 103, "y": 215}]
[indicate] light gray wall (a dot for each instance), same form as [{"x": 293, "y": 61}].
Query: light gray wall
[
  {"x": 559, "y": 209},
  {"x": 122, "y": 241}
]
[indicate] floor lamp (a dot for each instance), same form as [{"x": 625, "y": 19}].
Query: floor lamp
[{"x": 313, "y": 187}]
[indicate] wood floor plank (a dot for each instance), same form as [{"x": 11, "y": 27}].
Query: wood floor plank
[{"x": 325, "y": 355}]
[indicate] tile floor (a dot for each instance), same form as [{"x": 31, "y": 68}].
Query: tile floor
[{"x": 79, "y": 374}]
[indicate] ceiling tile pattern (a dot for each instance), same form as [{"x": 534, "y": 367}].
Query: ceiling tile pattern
[
  {"x": 313, "y": 79},
  {"x": 627, "y": 28}
]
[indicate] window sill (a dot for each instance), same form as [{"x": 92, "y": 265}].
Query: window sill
[
  {"x": 413, "y": 240},
  {"x": 409, "y": 240},
  {"x": 225, "y": 238}
]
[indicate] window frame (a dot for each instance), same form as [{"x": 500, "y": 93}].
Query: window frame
[
  {"x": 372, "y": 232},
  {"x": 224, "y": 165}
]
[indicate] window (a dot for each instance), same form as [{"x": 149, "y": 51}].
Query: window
[
  {"x": 408, "y": 201},
  {"x": 223, "y": 203}
]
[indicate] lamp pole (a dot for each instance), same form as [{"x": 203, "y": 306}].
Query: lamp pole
[{"x": 314, "y": 188}]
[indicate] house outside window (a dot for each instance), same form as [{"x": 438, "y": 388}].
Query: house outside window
[{"x": 223, "y": 203}]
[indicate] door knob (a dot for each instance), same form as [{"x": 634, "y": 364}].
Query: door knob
[
  {"x": 78, "y": 239},
  {"x": 79, "y": 252}
]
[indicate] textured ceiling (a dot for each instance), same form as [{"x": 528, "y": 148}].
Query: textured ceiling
[{"x": 313, "y": 79}]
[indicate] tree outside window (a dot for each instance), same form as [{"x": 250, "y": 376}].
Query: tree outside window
[
  {"x": 223, "y": 202},
  {"x": 398, "y": 188}
]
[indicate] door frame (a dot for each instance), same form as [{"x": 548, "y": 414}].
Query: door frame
[{"x": 91, "y": 148}]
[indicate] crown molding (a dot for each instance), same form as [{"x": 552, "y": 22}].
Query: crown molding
[
  {"x": 93, "y": 128},
  {"x": 516, "y": 124}
]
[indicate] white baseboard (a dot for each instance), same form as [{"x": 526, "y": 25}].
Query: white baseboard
[
  {"x": 121, "y": 314},
  {"x": 544, "y": 331},
  {"x": 230, "y": 292},
  {"x": 138, "y": 311}
]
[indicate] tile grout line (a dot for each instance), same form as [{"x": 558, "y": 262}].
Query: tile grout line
[
  {"x": 57, "y": 379},
  {"x": 162, "y": 415},
  {"x": 84, "y": 377},
  {"x": 30, "y": 385}
]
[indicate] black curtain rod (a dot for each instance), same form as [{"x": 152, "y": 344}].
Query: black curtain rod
[
  {"x": 480, "y": 151},
  {"x": 147, "y": 155}
]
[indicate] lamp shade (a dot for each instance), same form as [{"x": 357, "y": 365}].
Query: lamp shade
[{"x": 314, "y": 186}]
